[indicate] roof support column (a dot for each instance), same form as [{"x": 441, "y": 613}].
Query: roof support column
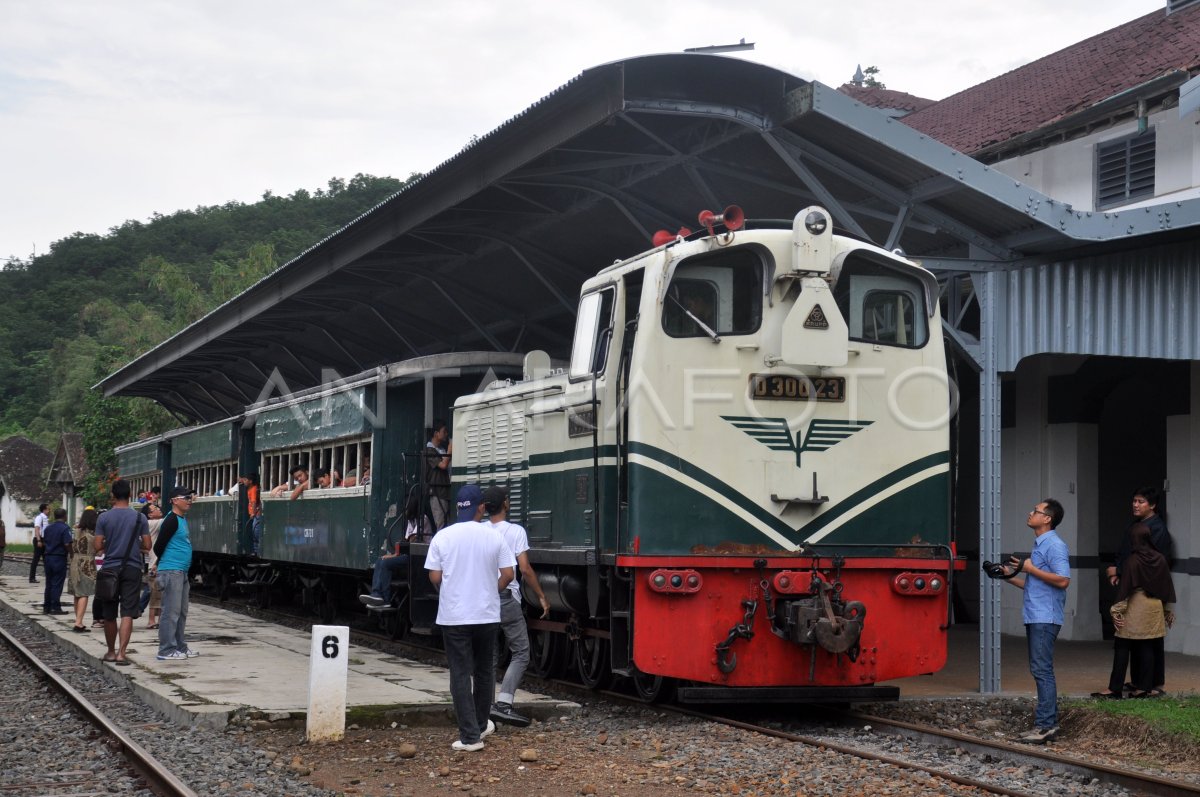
[{"x": 989, "y": 288}]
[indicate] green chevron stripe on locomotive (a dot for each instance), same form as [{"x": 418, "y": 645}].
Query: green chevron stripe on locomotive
[{"x": 722, "y": 521}]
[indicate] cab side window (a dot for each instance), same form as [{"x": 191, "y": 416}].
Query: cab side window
[
  {"x": 593, "y": 333},
  {"x": 881, "y": 304}
]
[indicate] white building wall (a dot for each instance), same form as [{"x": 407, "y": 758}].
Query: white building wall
[
  {"x": 18, "y": 520},
  {"x": 1067, "y": 171}
]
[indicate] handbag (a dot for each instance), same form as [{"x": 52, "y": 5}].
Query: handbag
[{"x": 107, "y": 583}]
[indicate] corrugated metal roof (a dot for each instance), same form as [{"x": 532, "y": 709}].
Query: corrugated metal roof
[{"x": 1136, "y": 303}]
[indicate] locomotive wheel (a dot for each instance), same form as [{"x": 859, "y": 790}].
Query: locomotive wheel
[
  {"x": 546, "y": 653},
  {"x": 591, "y": 660},
  {"x": 651, "y": 688}
]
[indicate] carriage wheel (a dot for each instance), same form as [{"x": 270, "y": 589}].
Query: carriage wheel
[
  {"x": 591, "y": 660},
  {"x": 398, "y": 621},
  {"x": 652, "y": 688},
  {"x": 326, "y": 604},
  {"x": 546, "y": 653}
]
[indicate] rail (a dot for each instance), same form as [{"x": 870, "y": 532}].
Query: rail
[{"x": 160, "y": 779}]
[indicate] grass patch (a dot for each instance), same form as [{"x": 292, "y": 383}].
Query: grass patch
[
  {"x": 1173, "y": 715},
  {"x": 1166, "y": 728},
  {"x": 19, "y": 547}
]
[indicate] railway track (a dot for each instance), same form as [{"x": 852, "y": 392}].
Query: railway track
[
  {"x": 159, "y": 779},
  {"x": 955, "y": 745},
  {"x": 1136, "y": 782}
]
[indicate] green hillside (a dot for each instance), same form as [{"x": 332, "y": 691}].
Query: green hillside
[{"x": 95, "y": 302}]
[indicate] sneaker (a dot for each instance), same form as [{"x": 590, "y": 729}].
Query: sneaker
[
  {"x": 504, "y": 712},
  {"x": 1039, "y": 735},
  {"x": 488, "y": 731},
  {"x": 174, "y": 655},
  {"x": 191, "y": 654},
  {"x": 371, "y": 600},
  {"x": 468, "y": 748}
]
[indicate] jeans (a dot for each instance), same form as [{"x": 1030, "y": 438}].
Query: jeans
[
  {"x": 512, "y": 623},
  {"x": 385, "y": 569},
  {"x": 256, "y": 528},
  {"x": 1041, "y": 637},
  {"x": 56, "y": 575},
  {"x": 175, "y": 590},
  {"x": 470, "y": 652}
]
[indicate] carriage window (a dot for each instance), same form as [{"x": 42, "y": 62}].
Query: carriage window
[
  {"x": 722, "y": 292},
  {"x": 593, "y": 332},
  {"x": 881, "y": 304}
]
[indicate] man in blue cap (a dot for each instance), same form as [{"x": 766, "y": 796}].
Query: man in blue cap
[{"x": 463, "y": 561}]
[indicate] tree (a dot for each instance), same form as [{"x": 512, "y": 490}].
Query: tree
[{"x": 872, "y": 81}]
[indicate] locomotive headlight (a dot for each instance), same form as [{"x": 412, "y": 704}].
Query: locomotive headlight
[
  {"x": 935, "y": 584},
  {"x": 784, "y": 582},
  {"x": 693, "y": 581},
  {"x": 676, "y": 580},
  {"x": 904, "y": 582},
  {"x": 660, "y": 580},
  {"x": 919, "y": 583},
  {"x": 815, "y": 223}
]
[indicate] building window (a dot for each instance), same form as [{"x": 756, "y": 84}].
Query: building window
[{"x": 1125, "y": 169}]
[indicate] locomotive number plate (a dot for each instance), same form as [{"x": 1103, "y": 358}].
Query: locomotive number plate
[{"x": 784, "y": 387}]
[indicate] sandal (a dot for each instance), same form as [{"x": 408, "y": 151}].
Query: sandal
[
  {"x": 152, "y": 626},
  {"x": 1106, "y": 695},
  {"x": 121, "y": 662},
  {"x": 80, "y": 629},
  {"x": 109, "y": 657}
]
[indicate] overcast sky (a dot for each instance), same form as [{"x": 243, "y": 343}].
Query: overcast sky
[{"x": 118, "y": 109}]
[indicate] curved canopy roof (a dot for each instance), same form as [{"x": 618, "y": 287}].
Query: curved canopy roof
[{"x": 488, "y": 250}]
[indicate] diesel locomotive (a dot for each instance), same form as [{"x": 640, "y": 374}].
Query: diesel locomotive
[{"x": 736, "y": 486}]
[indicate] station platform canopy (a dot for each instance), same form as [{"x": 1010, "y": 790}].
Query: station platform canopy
[{"x": 487, "y": 251}]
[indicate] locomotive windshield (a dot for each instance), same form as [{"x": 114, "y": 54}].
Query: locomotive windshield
[
  {"x": 722, "y": 292},
  {"x": 881, "y": 304}
]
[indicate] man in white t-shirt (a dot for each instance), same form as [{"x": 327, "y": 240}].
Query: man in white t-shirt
[
  {"x": 463, "y": 562},
  {"x": 512, "y": 615}
]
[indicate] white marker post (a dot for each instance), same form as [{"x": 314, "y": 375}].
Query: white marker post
[{"x": 329, "y": 657}]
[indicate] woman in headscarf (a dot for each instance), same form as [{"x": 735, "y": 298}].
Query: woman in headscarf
[
  {"x": 81, "y": 568},
  {"x": 1144, "y": 610}
]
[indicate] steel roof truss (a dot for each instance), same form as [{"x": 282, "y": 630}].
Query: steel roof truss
[
  {"x": 816, "y": 186},
  {"x": 902, "y": 217},
  {"x": 894, "y": 195}
]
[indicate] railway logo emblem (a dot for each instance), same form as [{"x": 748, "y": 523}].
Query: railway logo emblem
[{"x": 774, "y": 433}]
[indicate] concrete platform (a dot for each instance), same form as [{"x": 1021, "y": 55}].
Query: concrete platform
[
  {"x": 251, "y": 669},
  {"x": 1080, "y": 668}
]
